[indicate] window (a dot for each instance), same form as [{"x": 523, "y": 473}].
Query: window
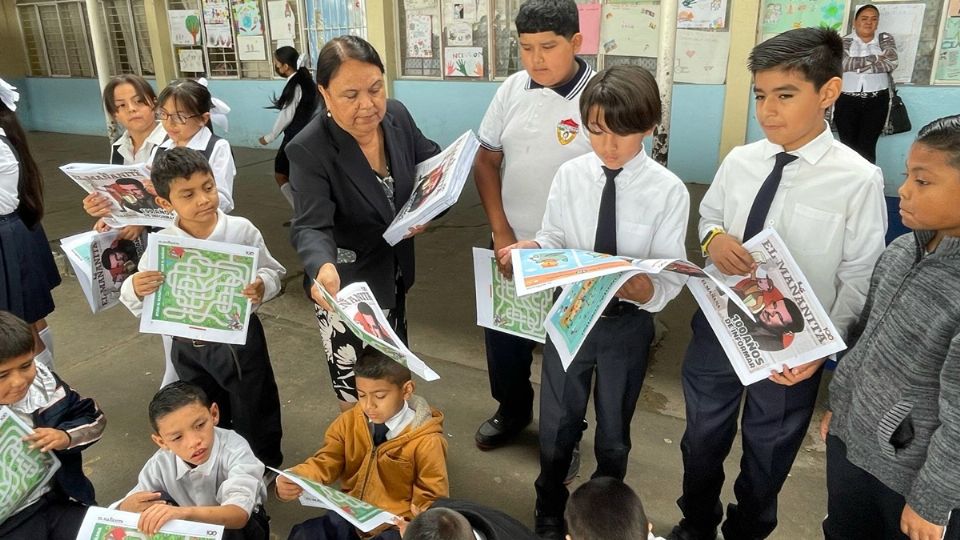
[
  {"x": 125, "y": 24},
  {"x": 55, "y": 38}
]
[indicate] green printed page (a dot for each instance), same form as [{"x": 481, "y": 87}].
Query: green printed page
[
  {"x": 360, "y": 511},
  {"x": 102, "y": 531},
  {"x": 22, "y": 470}
]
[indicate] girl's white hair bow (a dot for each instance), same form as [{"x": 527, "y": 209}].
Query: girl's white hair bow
[
  {"x": 9, "y": 95},
  {"x": 220, "y": 110}
]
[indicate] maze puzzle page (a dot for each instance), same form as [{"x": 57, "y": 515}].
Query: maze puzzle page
[
  {"x": 22, "y": 470},
  {"x": 106, "y": 524}
]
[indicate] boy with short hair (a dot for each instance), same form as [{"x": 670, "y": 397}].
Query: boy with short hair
[
  {"x": 63, "y": 422},
  {"x": 389, "y": 451},
  {"x": 893, "y": 450},
  {"x": 531, "y": 127},
  {"x": 453, "y": 519},
  {"x": 606, "y": 508},
  {"x": 239, "y": 377},
  {"x": 201, "y": 472},
  {"x": 826, "y": 202}
]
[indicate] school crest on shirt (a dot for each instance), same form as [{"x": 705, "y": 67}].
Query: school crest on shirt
[{"x": 567, "y": 131}]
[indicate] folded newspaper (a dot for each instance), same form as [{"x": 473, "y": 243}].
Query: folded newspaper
[
  {"x": 106, "y": 524},
  {"x": 440, "y": 180},
  {"x": 358, "y": 309},
  {"x": 360, "y": 514},
  {"x": 101, "y": 262},
  {"x": 128, "y": 187},
  {"x": 777, "y": 322},
  {"x": 24, "y": 470},
  {"x": 498, "y": 306}
]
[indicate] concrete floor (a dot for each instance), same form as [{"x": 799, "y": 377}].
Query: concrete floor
[{"x": 105, "y": 357}]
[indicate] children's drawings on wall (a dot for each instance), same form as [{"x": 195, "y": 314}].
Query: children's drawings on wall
[
  {"x": 460, "y": 10},
  {"x": 283, "y": 20},
  {"x": 191, "y": 60},
  {"x": 413, "y": 5},
  {"x": 702, "y": 14},
  {"x": 953, "y": 10},
  {"x": 778, "y": 16},
  {"x": 419, "y": 36},
  {"x": 219, "y": 36},
  {"x": 184, "y": 26},
  {"x": 589, "y": 28},
  {"x": 216, "y": 12},
  {"x": 251, "y": 48},
  {"x": 948, "y": 61},
  {"x": 905, "y": 23},
  {"x": 630, "y": 30},
  {"x": 459, "y": 34},
  {"x": 247, "y": 18},
  {"x": 701, "y": 57},
  {"x": 463, "y": 61}
]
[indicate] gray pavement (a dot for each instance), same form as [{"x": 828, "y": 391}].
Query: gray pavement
[{"x": 105, "y": 357}]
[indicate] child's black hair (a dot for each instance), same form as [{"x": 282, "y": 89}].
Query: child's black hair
[
  {"x": 179, "y": 162},
  {"x": 815, "y": 53},
  {"x": 287, "y": 55},
  {"x": 626, "y": 97},
  {"x": 173, "y": 397},
  {"x": 558, "y": 16},
  {"x": 605, "y": 508},
  {"x": 340, "y": 49},
  {"x": 439, "y": 524},
  {"x": 140, "y": 85},
  {"x": 943, "y": 134},
  {"x": 30, "y": 184},
  {"x": 16, "y": 337},
  {"x": 189, "y": 94},
  {"x": 373, "y": 364}
]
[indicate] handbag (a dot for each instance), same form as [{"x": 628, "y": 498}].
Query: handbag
[{"x": 898, "y": 120}]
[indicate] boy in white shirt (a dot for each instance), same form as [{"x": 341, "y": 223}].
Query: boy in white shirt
[
  {"x": 643, "y": 210},
  {"x": 239, "y": 377}
]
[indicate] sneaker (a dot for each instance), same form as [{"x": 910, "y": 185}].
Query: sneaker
[
  {"x": 548, "y": 528},
  {"x": 498, "y": 430},
  {"x": 574, "y": 469},
  {"x": 684, "y": 531}
]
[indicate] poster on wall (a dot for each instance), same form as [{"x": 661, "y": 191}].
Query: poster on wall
[
  {"x": 283, "y": 21},
  {"x": 630, "y": 30},
  {"x": 184, "y": 26},
  {"x": 251, "y": 48},
  {"x": 413, "y": 5},
  {"x": 463, "y": 61},
  {"x": 216, "y": 12},
  {"x": 948, "y": 62},
  {"x": 219, "y": 36},
  {"x": 419, "y": 36},
  {"x": 191, "y": 60},
  {"x": 460, "y": 10},
  {"x": 701, "y": 57},
  {"x": 782, "y": 15},
  {"x": 247, "y": 18},
  {"x": 702, "y": 14},
  {"x": 459, "y": 34},
  {"x": 953, "y": 10},
  {"x": 905, "y": 23},
  {"x": 589, "y": 28}
]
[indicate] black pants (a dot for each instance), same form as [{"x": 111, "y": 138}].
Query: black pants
[
  {"x": 239, "y": 378},
  {"x": 333, "y": 527},
  {"x": 53, "y": 517},
  {"x": 616, "y": 350},
  {"x": 860, "y": 122},
  {"x": 775, "y": 420},
  {"x": 861, "y": 507},
  {"x": 508, "y": 363}
]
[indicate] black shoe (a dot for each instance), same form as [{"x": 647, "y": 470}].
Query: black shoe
[
  {"x": 548, "y": 528},
  {"x": 574, "y": 469},
  {"x": 498, "y": 430},
  {"x": 684, "y": 531},
  {"x": 286, "y": 223}
]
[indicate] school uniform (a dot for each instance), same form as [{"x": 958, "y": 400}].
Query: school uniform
[
  {"x": 220, "y": 156},
  {"x": 537, "y": 129},
  {"x": 239, "y": 378},
  {"x": 28, "y": 271},
  {"x": 650, "y": 221},
  {"x": 231, "y": 475},
  {"x": 293, "y": 117},
  {"x": 121, "y": 151},
  {"x": 829, "y": 209}
]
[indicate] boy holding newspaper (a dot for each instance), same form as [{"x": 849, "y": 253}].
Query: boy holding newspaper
[{"x": 617, "y": 201}]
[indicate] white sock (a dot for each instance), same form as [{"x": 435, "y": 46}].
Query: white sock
[
  {"x": 45, "y": 358},
  {"x": 46, "y": 336},
  {"x": 287, "y": 193}
]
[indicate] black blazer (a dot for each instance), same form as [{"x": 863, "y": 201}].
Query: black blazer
[
  {"x": 492, "y": 524},
  {"x": 339, "y": 202}
]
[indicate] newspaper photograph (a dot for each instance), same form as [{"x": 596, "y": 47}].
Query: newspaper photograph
[
  {"x": 106, "y": 524},
  {"x": 360, "y": 514},
  {"x": 358, "y": 309},
  {"x": 498, "y": 306},
  {"x": 440, "y": 180},
  {"x": 201, "y": 296},
  {"x": 23, "y": 470},
  {"x": 102, "y": 261},
  {"x": 128, "y": 187},
  {"x": 778, "y": 320}
]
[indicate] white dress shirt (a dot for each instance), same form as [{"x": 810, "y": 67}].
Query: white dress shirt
[
  {"x": 9, "y": 179},
  {"x": 221, "y": 161},
  {"x": 230, "y": 230},
  {"x": 399, "y": 422},
  {"x": 829, "y": 210},
  {"x": 124, "y": 146},
  {"x": 866, "y": 79},
  {"x": 653, "y": 207},
  {"x": 232, "y": 475},
  {"x": 286, "y": 114}
]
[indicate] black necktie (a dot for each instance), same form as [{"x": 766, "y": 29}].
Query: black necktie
[
  {"x": 761, "y": 204},
  {"x": 379, "y": 434},
  {"x": 606, "y": 239}
]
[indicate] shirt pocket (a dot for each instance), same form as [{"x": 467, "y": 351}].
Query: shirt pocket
[
  {"x": 813, "y": 230},
  {"x": 634, "y": 239}
]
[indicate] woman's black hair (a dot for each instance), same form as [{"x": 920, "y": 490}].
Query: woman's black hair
[
  {"x": 863, "y": 7},
  {"x": 30, "y": 185},
  {"x": 188, "y": 93},
  {"x": 943, "y": 134},
  {"x": 340, "y": 49},
  {"x": 308, "y": 89}
]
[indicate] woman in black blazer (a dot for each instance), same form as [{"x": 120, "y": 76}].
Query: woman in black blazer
[{"x": 351, "y": 168}]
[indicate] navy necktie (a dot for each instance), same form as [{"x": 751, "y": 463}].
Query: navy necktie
[
  {"x": 606, "y": 239},
  {"x": 764, "y": 198},
  {"x": 379, "y": 434}
]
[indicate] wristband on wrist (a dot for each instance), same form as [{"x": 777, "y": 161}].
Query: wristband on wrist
[{"x": 713, "y": 233}]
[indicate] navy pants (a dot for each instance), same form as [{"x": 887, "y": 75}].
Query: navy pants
[
  {"x": 775, "y": 420},
  {"x": 333, "y": 527},
  {"x": 508, "y": 362},
  {"x": 53, "y": 517},
  {"x": 860, "y": 121}
]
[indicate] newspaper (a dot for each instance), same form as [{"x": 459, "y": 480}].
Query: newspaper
[
  {"x": 23, "y": 470},
  {"x": 201, "y": 296},
  {"x": 360, "y": 514},
  {"x": 102, "y": 261},
  {"x": 359, "y": 311},
  {"x": 128, "y": 187},
  {"x": 440, "y": 180},
  {"x": 498, "y": 306},
  {"x": 106, "y": 524},
  {"x": 779, "y": 320}
]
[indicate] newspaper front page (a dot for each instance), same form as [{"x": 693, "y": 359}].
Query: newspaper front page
[{"x": 128, "y": 187}]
